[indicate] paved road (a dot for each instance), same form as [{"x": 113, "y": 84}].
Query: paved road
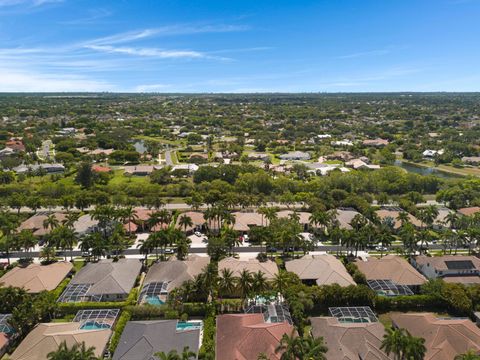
[
  {"x": 173, "y": 206},
  {"x": 168, "y": 158},
  {"x": 203, "y": 250}
]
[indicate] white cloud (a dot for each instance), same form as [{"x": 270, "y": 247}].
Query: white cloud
[
  {"x": 13, "y": 80},
  {"x": 150, "y": 52},
  {"x": 365, "y": 53},
  {"x": 6, "y": 3},
  {"x": 165, "y": 31},
  {"x": 152, "y": 88}
]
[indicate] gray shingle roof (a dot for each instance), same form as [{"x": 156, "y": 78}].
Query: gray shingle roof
[
  {"x": 141, "y": 339},
  {"x": 108, "y": 277}
]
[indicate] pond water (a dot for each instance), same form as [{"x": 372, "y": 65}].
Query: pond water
[
  {"x": 140, "y": 146},
  {"x": 421, "y": 170}
]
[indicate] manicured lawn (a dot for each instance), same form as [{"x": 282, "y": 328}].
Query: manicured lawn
[
  {"x": 119, "y": 179},
  {"x": 157, "y": 139}
]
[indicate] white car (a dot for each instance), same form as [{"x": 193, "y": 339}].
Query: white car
[{"x": 198, "y": 233}]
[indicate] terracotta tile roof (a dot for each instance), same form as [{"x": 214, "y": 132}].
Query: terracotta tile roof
[
  {"x": 35, "y": 223},
  {"x": 444, "y": 338},
  {"x": 98, "y": 168},
  {"x": 45, "y": 338},
  {"x": 197, "y": 219},
  {"x": 391, "y": 267},
  {"x": 3, "y": 341},
  {"x": 469, "y": 210},
  {"x": 384, "y": 213},
  {"x": 350, "y": 341},
  {"x": 36, "y": 278},
  {"x": 304, "y": 217},
  {"x": 243, "y": 220},
  {"x": 244, "y": 336},
  {"x": 269, "y": 268},
  {"x": 325, "y": 269}
]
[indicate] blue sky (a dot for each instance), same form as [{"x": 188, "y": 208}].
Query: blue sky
[{"x": 240, "y": 46}]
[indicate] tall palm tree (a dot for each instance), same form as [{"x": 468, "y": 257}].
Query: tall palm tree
[
  {"x": 171, "y": 355},
  {"x": 51, "y": 222},
  {"x": 226, "y": 282},
  {"x": 394, "y": 342},
  {"x": 71, "y": 219},
  {"x": 414, "y": 348},
  {"x": 26, "y": 239},
  {"x": 259, "y": 282},
  {"x": 244, "y": 283},
  {"x": 289, "y": 347},
  {"x": 77, "y": 352},
  {"x": 185, "y": 221},
  {"x": 313, "y": 348},
  {"x": 130, "y": 215},
  {"x": 145, "y": 247}
]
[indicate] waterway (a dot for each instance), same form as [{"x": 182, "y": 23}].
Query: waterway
[{"x": 424, "y": 170}]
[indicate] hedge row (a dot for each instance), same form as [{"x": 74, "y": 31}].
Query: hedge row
[
  {"x": 119, "y": 327},
  {"x": 409, "y": 303}
]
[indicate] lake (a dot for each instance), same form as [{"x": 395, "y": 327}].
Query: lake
[{"x": 423, "y": 170}]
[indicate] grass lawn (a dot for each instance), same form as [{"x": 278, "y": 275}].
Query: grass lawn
[
  {"x": 157, "y": 139},
  {"x": 119, "y": 179}
]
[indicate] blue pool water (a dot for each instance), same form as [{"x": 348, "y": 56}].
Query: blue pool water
[
  {"x": 154, "y": 300},
  {"x": 188, "y": 325},
  {"x": 94, "y": 326}
]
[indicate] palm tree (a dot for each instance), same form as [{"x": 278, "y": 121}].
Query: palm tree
[
  {"x": 185, "y": 221},
  {"x": 71, "y": 219},
  {"x": 394, "y": 342},
  {"x": 281, "y": 281},
  {"x": 384, "y": 237},
  {"x": 263, "y": 356},
  {"x": 51, "y": 222},
  {"x": 259, "y": 282},
  {"x": 288, "y": 347},
  {"x": 469, "y": 355},
  {"x": 7, "y": 244},
  {"x": 47, "y": 253},
  {"x": 145, "y": 247},
  {"x": 451, "y": 219},
  {"x": 77, "y": 352},
  {"x": 414, "y": 348},
  {"x": 64, "y": 238},
  {"x": 244, "y": 283},
  {"x": 129, "y": 214},
  {"x": 403, "y": 218},
  {"x": 320, "y": 218},
  {"x": 187, "y": 354},
  {"x": 226, "y": 282},
  {"x": 171, "y": 355},
  {"x": 26, "y": 240},
  {"x": 313, "y": 348}
]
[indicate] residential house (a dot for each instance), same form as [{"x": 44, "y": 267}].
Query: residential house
[
  {"x": 296, "y": 155},
  {"x": 190, "y": 168},
  {"x": 140, "y": 340},
  {"x": 344, "y": 216},
  {"x": 106, "y": 280},
  {"x": 164, "y": 276},
  {"x": 45, "y": 338},
  {"x": 140, "y": 170},
  {"x": 350, "y": 340},
  {"x": 15, "y": 144},
  {"x": 451, "y": 268},
  {"x": 340, "y": 143},
  {"x": 375, "y": 142},
  {"x": 198, "y": 221},
  {"x": 35, "y": 223},
  {"x": 48, "y": 168},
  {"x": 393, "y": 213},
  {"x": 445, "y": 338},
  {"x": 393, "y": 268},
  {"x": 36, "y": 278},
  {"x": 321, "y": 270},
  {"x": 469, "y": 211},
  {"x": 471, "y": 160},
  {"x": 244, "y": 336},
  {"x": 85, "y": 225},
  {"x": 268, "y": 268},
  {"x": 359, "y": 164}
]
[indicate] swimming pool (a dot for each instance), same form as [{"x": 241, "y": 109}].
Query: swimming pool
[
  {"x": 188, "y": 325},
  {"x": 153, "y": 300},
  {"x": 93, "y": 325}
]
